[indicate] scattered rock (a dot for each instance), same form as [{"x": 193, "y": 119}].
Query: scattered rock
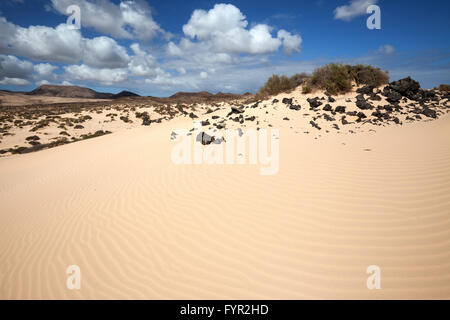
[
  {"x": 406, "y": 87},
  {"x": 327, "y": 107},
  {"x": 287, "y": 101},
  {"x": 315, "y": 125},
  {"x": 340, "y": 109},
  {"x": 146, "y": 120},
  {"x": 366, "y": 90},
  {"x": 361, "y": 115},
  {"x": 235, "y": 110},
  {"x": 314, "y": 103},
  {"x": 205, "y": 139},
  {"x": 393, "y": 96},
  {"x": 32, "y": 138}
]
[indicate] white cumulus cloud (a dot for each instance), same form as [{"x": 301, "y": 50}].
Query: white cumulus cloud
[
  {"x": 225, "y": 27},
  {"x": 129, "y": 19},
  {"x": 354, "y": 9},
  {"x": 104, "y": 76}
]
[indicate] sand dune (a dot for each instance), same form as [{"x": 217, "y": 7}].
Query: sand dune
[{"x": 142, "y": 227}]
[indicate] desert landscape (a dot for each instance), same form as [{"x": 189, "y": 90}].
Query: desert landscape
[
  {"x": 218, "y": 158},
  {"x": 363, "y": 179}
]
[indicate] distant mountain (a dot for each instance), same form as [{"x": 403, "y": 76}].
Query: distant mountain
[
  {"x": 48, "y": 93},
  {"x": 76, "y": 92},
  {"x": 125, "y": 94}
]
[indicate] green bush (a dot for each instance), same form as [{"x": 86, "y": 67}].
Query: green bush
[
  {"x": 306, "y": 89},
  {"x": 334, "y": 78},
  {"x": 277, "y": 84},
  {"x": 368, "y": 75},
  {"x": 444, "y": 87}
]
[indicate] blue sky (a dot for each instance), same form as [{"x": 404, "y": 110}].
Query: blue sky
[{"x": 161, "y": 47}]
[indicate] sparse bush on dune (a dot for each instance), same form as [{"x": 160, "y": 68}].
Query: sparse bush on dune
[
  {"x": 299, "y": 79},
  {"x": 277, "y": 84},
  {"x": 368, "y": 75},
  {"x": 444, "y": 88},
  {"x": 334, "y": 78}
]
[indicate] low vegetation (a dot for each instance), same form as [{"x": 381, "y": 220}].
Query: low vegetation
[
  {"x": 277, "y": 84},
  {"x": 334, "y": 78},
  {"x": 444, "y": 88}
]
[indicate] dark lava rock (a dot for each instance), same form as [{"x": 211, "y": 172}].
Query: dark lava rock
[
  {"x": 252, "y": 118},
  {"x": 375, "y": 97},
  {"x": 340, "y": 109},
  {"x": 393, "y": 96},
  {"x": 315, "y": 125},
  {"x": 192, "y": 116},
  {"x": 331, "y": 99},
  {"x": 78, "y": 126},
  {"x": 215, "y": 117},
  {"x": 33, "y": 138},
  {"x": 327, "y": 107},
  {"x": 146, "y": 120},
  {"x": 363, "y": 105},
  {"x": 366, "y": 90},
  {"x": 205, "y": 123},
  {"x": 235, "y": 110},
  {"x": 328, "y": 118},
  {"x": 287, "y": 101},
  {"x": 205, "y": 139},
  {"x": 124, "y": 119},
  {"x": 388, "y": 108},
  {"x": 275, "y": 101},
  {"x": 352, "y": 113},
  {"x": 286, "y": 119},
  {"x": 430, "y": 113},
  {"x": 380, "y": 115},
  {"x": 406, "y": 87},
  {"x": 361, "y": 115},
  {"x": 336, "y": 126},
  {"x": 295, "y": 107},
  {"x": 314, "y": 103}
]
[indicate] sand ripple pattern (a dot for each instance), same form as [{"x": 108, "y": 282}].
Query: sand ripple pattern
[{"x": 140, "y": 227}]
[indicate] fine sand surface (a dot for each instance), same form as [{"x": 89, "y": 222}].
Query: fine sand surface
[{"x": 142, "y": 227}]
